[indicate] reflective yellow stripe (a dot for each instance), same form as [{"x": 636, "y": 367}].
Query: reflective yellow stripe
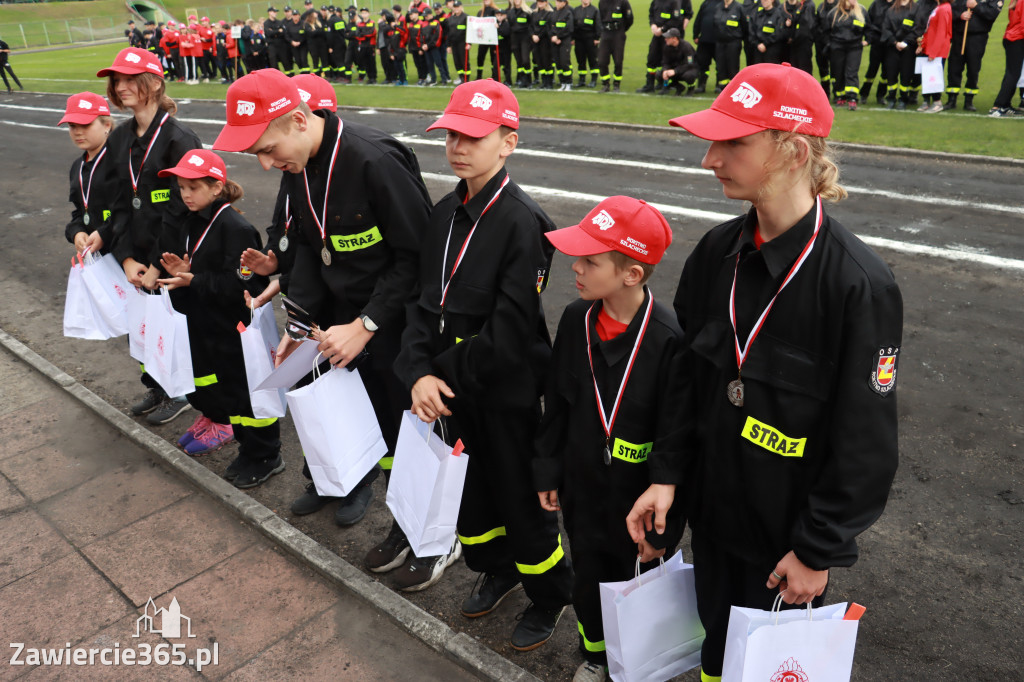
[
  {"x": 142, "y": 368},
  {"x": 542, "y": 567},
  {"x": 208, "y": 380},
  {"x": 480, "y": 539},
  {"x": 768, "y": 29},
  {"x": 386, "y": 463},
  {"x": 665, "y": 15},
  {"x": 730, "y": 22},
  {"x": 704, "y": 677},
  {"x": 587, "y": 644},
  {"x": 106, "y": 215},
  {"x": 249, "y": 421}
]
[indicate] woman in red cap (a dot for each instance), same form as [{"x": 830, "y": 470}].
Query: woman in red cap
[
  {"x": 92, "y": 181},
  {"x": 793, "y": 327},
  {"x": 200, "y": 257},
  {"x": 145, "y": 205}
]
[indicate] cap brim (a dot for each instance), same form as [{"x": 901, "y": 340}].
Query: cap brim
[
  {"x": 574, "y": 241},
  {"x": 127, "y": 70},
  {"x": 183, "y": 173},
  {"x": 467, "y": 125},
  {"x": 80, "y": 119},
  {"x": 714, "y": 125},
  {"x": 239, "y": 138}
]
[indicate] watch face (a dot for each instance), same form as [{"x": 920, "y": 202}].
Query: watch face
[{"x": 368, "y": 323}]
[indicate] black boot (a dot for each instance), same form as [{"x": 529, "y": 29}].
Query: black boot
[
  {"x": 950, "y": 102},
  {"x": 827, "y": 87},
  {"x": 701, "y": 87},
  {"x": 582, "y": 83},
  {"x": 649, "y": 85},
  {"x": 865, "y": 90},
  {"x": 593, "y": 81},
  {"x": 880, "y": 92},
  {"x": 969, "y": 103},
  {"x": 617, "y": 87}
]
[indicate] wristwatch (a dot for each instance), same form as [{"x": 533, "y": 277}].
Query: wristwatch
[{"x": 370, "y": 325}]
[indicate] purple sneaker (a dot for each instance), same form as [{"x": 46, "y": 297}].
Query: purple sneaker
[
  {"x": 214, "y": 437},
  {"x": 198, "y": 426}
]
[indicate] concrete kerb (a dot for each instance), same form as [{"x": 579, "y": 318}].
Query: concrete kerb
[{"x": 463, "y": 649}]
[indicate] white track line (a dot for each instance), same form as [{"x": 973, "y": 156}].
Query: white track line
[{"x": 712, "y": 216}]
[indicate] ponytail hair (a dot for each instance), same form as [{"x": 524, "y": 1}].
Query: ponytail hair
[
  {"x": 820, "y": 168},
  {"x": 231, "y": 193}
]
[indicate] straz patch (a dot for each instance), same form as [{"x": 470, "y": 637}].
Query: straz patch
[
  {"x": 354, "y": 242},
  {"x": 630, "y": 452},
  {"x": 159, "y": 195},
  {"x": 883, "y": 374},
  {"x": 773, "y": 440}
]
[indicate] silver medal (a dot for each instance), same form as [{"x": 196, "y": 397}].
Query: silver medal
[
  {"x": 734, "y": 391},
  {"x": 325, "y": 256},
  {"x": 283, "y": 243},
  {"x": 607, "y": 455},
  {"x": 440, "y": 324},
  {"x": 136, "y": 202},
  {"x": 86, "y": 219}
]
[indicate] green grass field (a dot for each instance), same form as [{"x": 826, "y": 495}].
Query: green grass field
[{"x": 73, "y": 70}]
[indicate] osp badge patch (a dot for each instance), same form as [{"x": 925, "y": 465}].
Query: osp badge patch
[{"x": 883, "y": 376}]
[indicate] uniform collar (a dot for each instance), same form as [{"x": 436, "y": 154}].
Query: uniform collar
[
  {"x": 331, "y": 131},
  {"x": 475, "y": 206},
  {"x": 779, "y": 253},
  {"x": 153, "y": 125},
  {"x": 618, "y": 349},
  {"x": 210, "y": 210}
]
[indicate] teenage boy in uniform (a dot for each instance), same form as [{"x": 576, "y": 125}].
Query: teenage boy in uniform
[
  {"x": 359, "y": 205},
  {"x": 473, "y": 354},
  {"x": 612, "y": 406}
]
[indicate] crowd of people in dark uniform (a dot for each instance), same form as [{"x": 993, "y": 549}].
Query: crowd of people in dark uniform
[{"x": 344, "y": 45}]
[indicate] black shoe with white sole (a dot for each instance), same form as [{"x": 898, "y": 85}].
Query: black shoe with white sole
[
  {"x": 152, "y": 400},
  {"x": 419, "y": 573},
  {"x": 253, "y": 474},
  {"x": 168, "y": 411},
  {"x": 389, "y": 554}
]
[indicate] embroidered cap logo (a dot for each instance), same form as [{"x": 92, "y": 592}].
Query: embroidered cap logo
[
  {"x": 244, "y": 108},
  {"x": 196, "y": 160},
  {"x": 603, "y": 220},
  {"x": 84, "y": 104},
  {"x": 132, "y": 57},
  {"x": 480, "y": 101},
  {"x": 304, "y": 95},
  {"x": 746, "y": 95}
]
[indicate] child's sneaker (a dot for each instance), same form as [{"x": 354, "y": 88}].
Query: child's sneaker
[
  {"x": 214, "y": 437},
  {"x": 198, "y": 426},
  {"x": 590, "y": 672},
  {"x": 419, "y": 573},
  {"x": 252, "y": 474}
]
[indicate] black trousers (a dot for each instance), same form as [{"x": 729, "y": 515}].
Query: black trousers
[
  {"x": 482, "y": 51},
  {"x": 722, "y": 581},
  {"x": 727, "y": 61},
  {"x": 1014, "y": 59},
  {"x": 501, "y": 525},
  {"x": 899, "y": 72},
  {"x": 613, "y": 45},
  {"x": 586, "y": 57},
  {"x": 703, "y": 58},
  {"x": 318, "y": 57},
  {"x": 337, "y": 60},
  {"x": 974, "y": 51},
  {"x": 772, "y": 54},
  {"x": 800, "y": 55},
  {"x": 821, "y": 58},
  {"x": 459, "y": 60},
  {"x": 844, "y": 62},
  {"x": 522, "y": 45},
  {"x": 543, "y": 63},
  {"x": 504, "y": 51},
  {"x": 876, "y": 55},
  {"x": 300, "y": 56},
  {"x": 420, "y": 60},
  {"x": 654, "y": 55},
  {"x": 279, "y": 55},
  {"x": 368, "y": 60},
  {"x": 563, "y": 60}
]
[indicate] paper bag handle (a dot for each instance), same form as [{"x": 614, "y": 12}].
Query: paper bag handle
[
  {"x": 316, "y": 365},
  {"x": 777, "y": 607},
  {"x": 636, "y": 571}
]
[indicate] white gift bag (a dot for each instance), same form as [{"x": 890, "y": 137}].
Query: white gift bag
[
  {"x": 259, "y": 346},
  {"x": 932, "y": 77},
  {"x": 797, "y": 644},
  {"x": 651, "y": 628},
  {"x": 168, "y": 356},
  {"x": 108, "y": 287},
  {"x": 425, "y": 491},
  {"x": 338, "y": 430},
  {"x": 136, "y": 316},
  {"x": 80, "y": 318}
]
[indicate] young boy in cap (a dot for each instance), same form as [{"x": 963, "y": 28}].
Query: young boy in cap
[
  {"x": 359, "y": 205},
  {"x": 474, "y": 351},
  {"x": 793, "y": 330},
  {"x": 611, "y": 409}
]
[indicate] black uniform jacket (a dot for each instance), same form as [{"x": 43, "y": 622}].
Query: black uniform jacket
[
  {"x": 519, "y": 20},
  {"x": 806, "y": 463},
  {"x": 678, "y": 58},
  {"x": 588, "y": 22},
  {"x": 101, "y": 195},
  {"x": 983, "y": 16},
  {"x": 214, "y": 302},
  {"x": 376, "y": 212},
  {"x": 804, "y": 20},
  {"x": 616, "y": 15},
  {"x": 821, "y": 17},
  {"x": 495, "y": 345},
  {"x": 846, "y": 30},
  {"x": 898, "y": 27},
  {"x": 562, "y": 24},
  {"x": 704, "y": 22},
  {"x": 275, "y": 31},
  {"x": 539, "y": 21},
  {"x": 668, "y": 14},
  {"x": 455, "y": 32},
  {"x": 283, "y": 224},
  {"x": 769, "y": 26},
  {"x": 730, "y": 22},
  {"x": 647, "y": 443},
  {"x": 136, "y": 230},
  {"x": 876, "y": 15}
]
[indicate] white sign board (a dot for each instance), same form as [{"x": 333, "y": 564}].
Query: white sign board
[{"x": 482, "y": 30}]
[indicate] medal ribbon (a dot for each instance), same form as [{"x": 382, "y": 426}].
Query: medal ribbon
[
  {"x": 609, "y": 422},
  {"x": 203, "y": 235},
  {"x": 131, "y": 171},
  {"x": 320, "y": 224},
  {"x": 84, "y": 190},
  {"x": 465, "y": 244},
  {"x": 741, "y": 352},
  {"x": 288, "y": 213}
]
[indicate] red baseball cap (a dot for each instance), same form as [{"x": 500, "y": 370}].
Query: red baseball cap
[
  {"x": 84, "y": 107},
  {"x": 624, "y": 224},
  {"x": 253, "y": 102},
  {"x": 132, "y": 61},
  {"x": 315, "y": 91},
  {"x": 198, "y": 163},
  {"x": 478, "y": 107},
  {"x": 764, "y": 97}
]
